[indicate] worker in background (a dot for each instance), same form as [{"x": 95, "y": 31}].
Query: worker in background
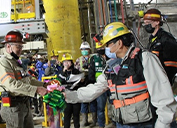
[
  {"x": 39, "y": 67},
  {"x": 161, "y": 43},
  {"x": 53, "y": 66},
  {"x": 16, "y": 85},
  {"x": 97, "y": 64},
  {"x": 139, "y": 82},
  {"x": 82, "y": 64},
  {"x": 64, "y": 77}
]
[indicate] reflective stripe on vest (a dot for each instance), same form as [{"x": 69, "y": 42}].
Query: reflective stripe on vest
[
  {"x": 81, "y": 63},
  {"x": 153, "y": 39},
  {"x": 156, "y": 52},
  {"x": 121, "y": 103},
  {"x": 170, "y": 63},
  {"x": 131, "y": 87},
  {"x": 111, "y": 86}
]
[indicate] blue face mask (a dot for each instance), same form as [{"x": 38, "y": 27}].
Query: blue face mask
[
  {"x": 109, "y": 54},
  {"x": 84, "y": 52}
]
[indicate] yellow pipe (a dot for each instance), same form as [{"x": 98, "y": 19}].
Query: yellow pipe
[
  {"x": 62, "y": 19},
  {"x": 106, "y": 114},
  {"x": 15, "y": 13}
]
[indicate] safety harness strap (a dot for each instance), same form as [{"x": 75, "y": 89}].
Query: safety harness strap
[{"x": 125, "y": 102}]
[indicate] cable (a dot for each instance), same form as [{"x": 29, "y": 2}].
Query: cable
[
  {"x": 165, "y": 20},
  {"x": 137, "y": 38}
]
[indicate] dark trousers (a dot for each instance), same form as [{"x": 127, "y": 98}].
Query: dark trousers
[
  {"x": 89, "y": 107},
  {"x": 72, "y": 109}
]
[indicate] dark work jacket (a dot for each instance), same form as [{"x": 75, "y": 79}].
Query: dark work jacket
[
  {"x": 64, "y": 76},
  {"x": 96, "y": 65},
  {"x": 164, "y": 45}
]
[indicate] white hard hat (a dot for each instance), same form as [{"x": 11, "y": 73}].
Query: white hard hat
[
  {"x": 85, "y": 45},
  {"x": 39, "y": 57}
]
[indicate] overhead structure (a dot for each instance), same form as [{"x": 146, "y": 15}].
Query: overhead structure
[
  {"x": 62, "y": 19},
  {"x": 25, "y": 15}
]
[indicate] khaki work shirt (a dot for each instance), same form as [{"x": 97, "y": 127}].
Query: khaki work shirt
[{"x": 15, "y": 80}]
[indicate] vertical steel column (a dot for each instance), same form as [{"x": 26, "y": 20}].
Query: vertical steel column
[
  {"x": 37, "y": 9},
  {"x": 62, "y": 19},
  {"x": 134, "y": 22}
]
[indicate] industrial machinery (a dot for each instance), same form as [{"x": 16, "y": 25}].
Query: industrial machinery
[{"x": 26, "y": 16}]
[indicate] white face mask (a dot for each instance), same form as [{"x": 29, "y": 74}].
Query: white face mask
[{"x": 108, "y": 52}]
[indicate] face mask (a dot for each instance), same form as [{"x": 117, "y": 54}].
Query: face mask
[
  {"x": 84, "y": 52},
  {"x": 101, "y": 51},
  {"x": 149, "y": 28},
  {"x": 109, "y": 54},
  {"x": 14, "y": 55}
]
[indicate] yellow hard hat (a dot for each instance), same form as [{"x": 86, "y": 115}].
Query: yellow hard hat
[
  {"x": 99, "y": 44},
  {"x": 113, "y": 30},
  {"x": 66, "y": 56},
  {"x": 54, "y": 53}
]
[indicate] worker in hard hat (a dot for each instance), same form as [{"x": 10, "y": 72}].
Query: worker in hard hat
[
  {"x": 97, "y": 64},
  {"x": 53, "y": 65},
  {"x": 161, "y": 42},
  {"x": 65, "y": 79},
  {"x": 16, "y": 86},
  {"x": 138, "y": 82},
  {"x": 82, "y": 64}
]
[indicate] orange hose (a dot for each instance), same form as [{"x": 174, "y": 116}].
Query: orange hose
[
  {"x": 99, "y": 13},
  {"x": 104, "y": 15}
]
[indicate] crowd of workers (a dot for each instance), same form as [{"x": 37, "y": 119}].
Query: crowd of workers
[{"x": 138, "y": 82}]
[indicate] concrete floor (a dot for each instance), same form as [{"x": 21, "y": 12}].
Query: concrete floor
[{"x": 38, "y": 123}]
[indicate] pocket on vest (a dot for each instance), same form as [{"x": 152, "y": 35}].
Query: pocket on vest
[{"x": 136, "y": 113}]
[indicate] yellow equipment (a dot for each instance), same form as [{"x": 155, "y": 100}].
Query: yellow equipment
[
  {"x": 63, "y": 25},
  {"x": 99, "y": 44},
  {"x": 114, "y": 30},
  {"x": 54, "y": 53},
  {"x": 27, "y": 9}
]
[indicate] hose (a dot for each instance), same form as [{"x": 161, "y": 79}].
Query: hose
[
  {"x": 104, "y": 15},
  {"x": 110, "y": 10},
  {"x": 99, "y": 10},
  {"x": 115, "y": 8},
  {"x": 137, "y": 38},
  {"x": 122, "y": 11}
]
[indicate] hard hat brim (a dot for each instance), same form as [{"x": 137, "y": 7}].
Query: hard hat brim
[{"x": 4, "y": 42}]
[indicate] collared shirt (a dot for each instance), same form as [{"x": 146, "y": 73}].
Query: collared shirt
[{"x": 14, "y": 79}]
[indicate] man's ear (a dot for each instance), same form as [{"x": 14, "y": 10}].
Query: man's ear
[
  {"x": 8, "y": 45},
  {"x": 120, "y": 43},
  {"x": 157, "y": 23}
]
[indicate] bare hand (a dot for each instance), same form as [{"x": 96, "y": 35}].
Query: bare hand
[{"x": 41, "y": 91}]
